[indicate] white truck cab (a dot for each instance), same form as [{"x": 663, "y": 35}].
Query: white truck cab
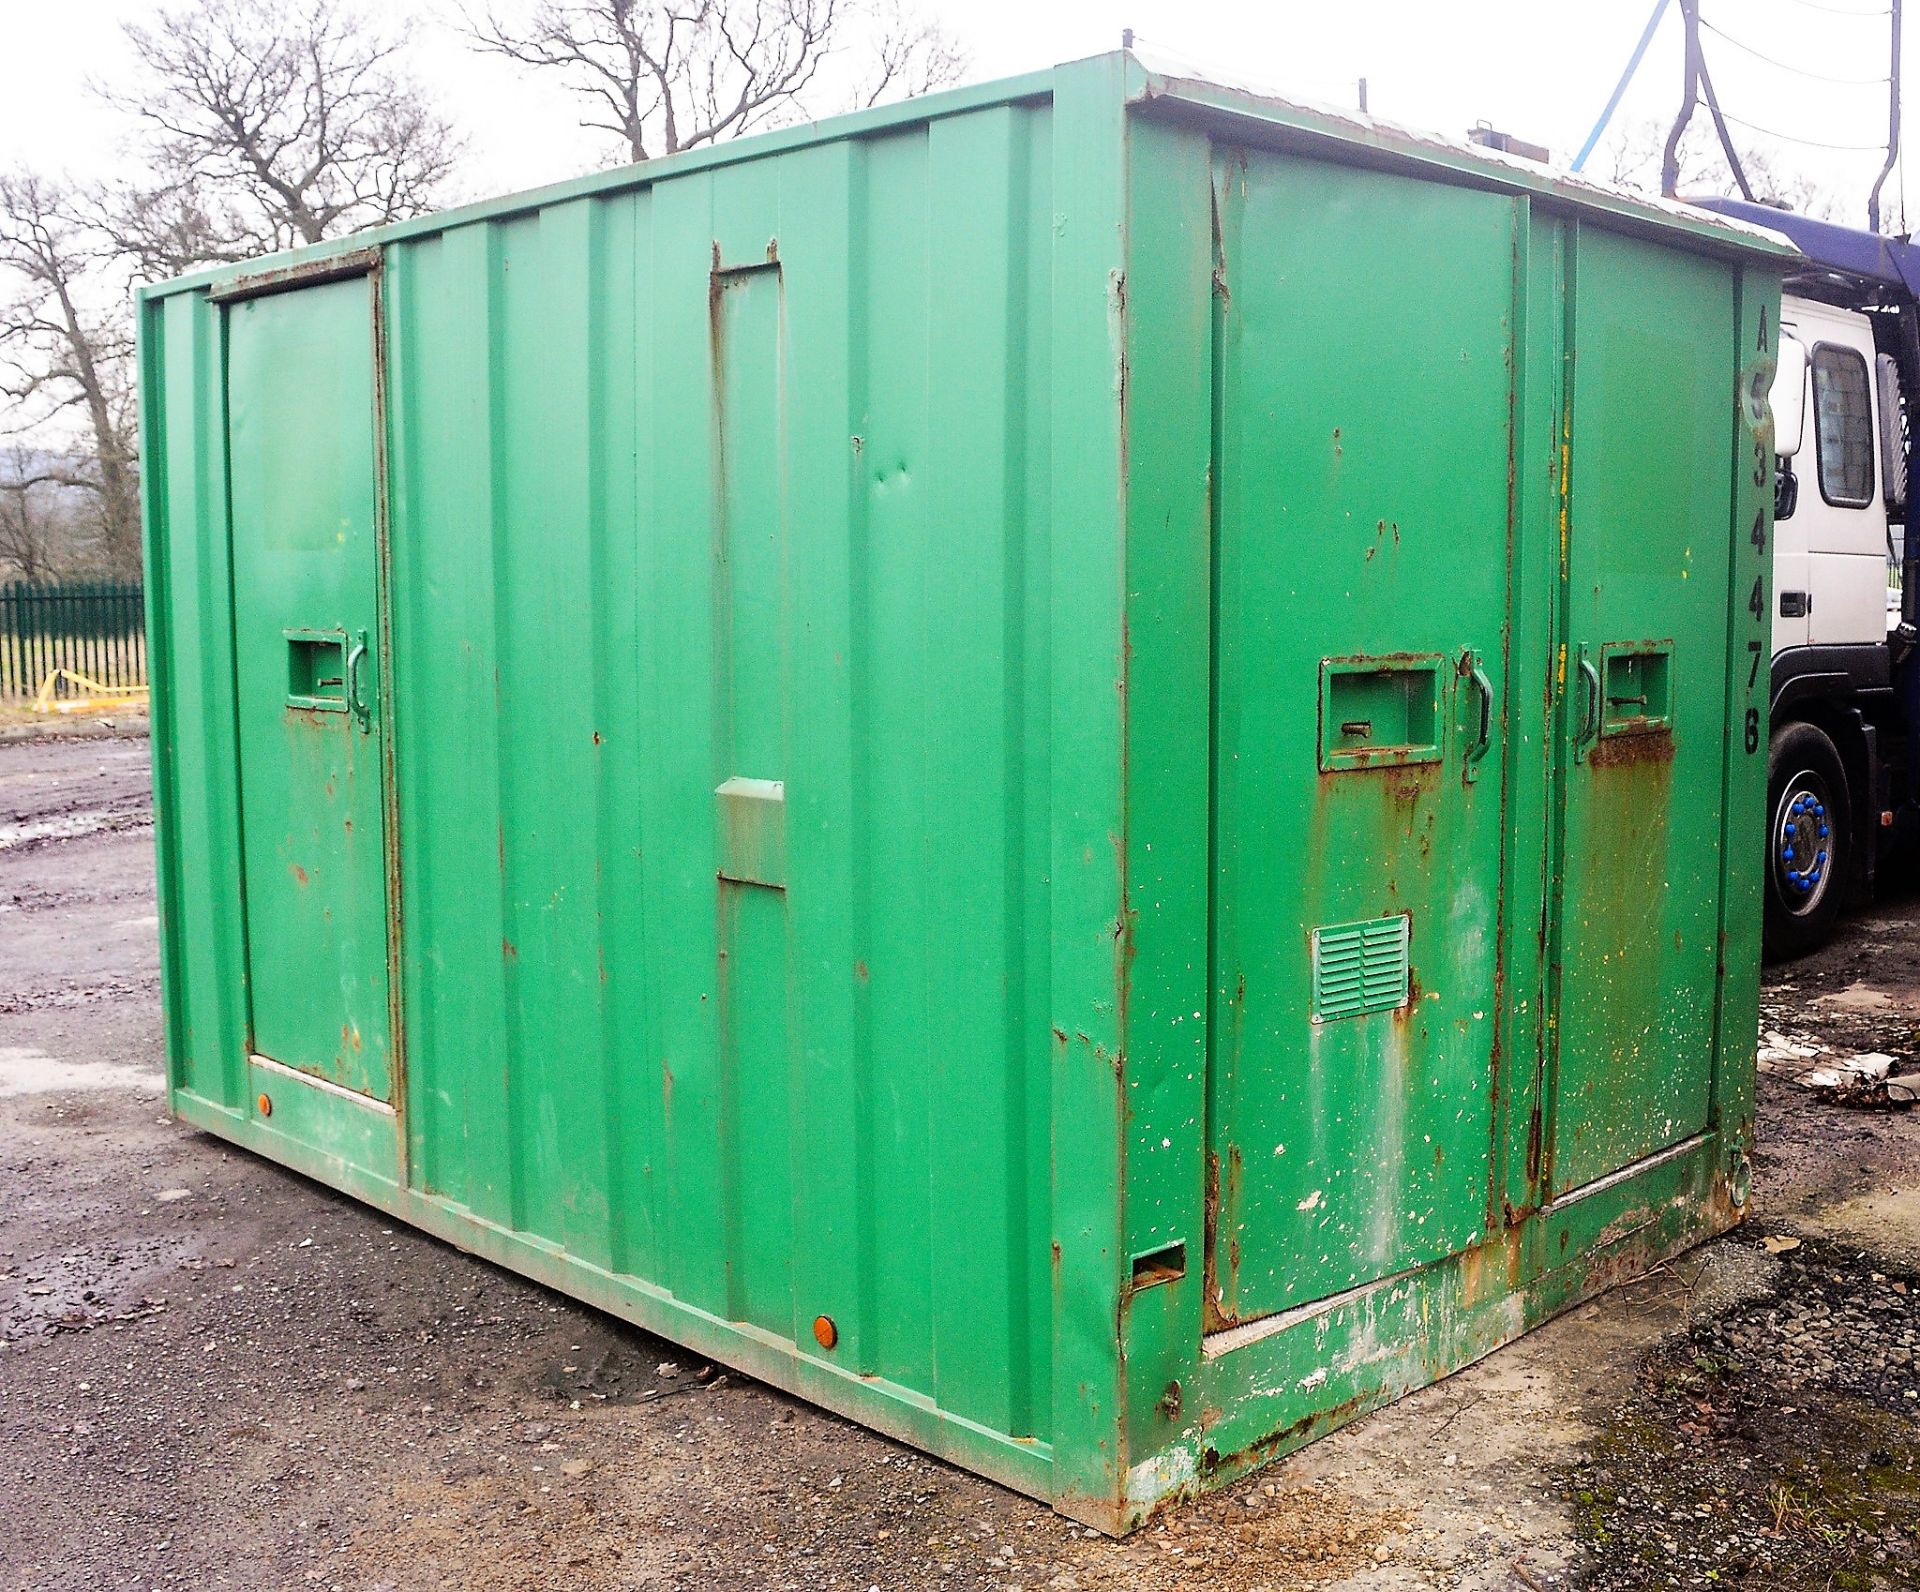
[
  {"x": 1843, "y": 789},
  {"x": 1834, "y": 399}
]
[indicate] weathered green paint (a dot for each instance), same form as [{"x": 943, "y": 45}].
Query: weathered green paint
[{"x": 886, "y": 640}]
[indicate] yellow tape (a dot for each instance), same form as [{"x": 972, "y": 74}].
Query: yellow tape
[{"x": 94, "y": 697}]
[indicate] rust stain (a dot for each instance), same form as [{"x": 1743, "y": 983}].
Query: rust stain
[
  {"x": 1109, "y": 1059},
  {"x": 1536, "y": 1151},
  {"x": 1626, "y": 751},
  {"x": 1403, "y": 1018},
  {"x": 1621, "y": 933},
  {"x": 357, "y": 262},
  {"x": 1213, "y": 1314},
  {"x": 508, "y": 950},
  {"x": 299, "y": 872},
  {"x": 1254, "y": 1455},
  {"x": 1380, "y": 533}
]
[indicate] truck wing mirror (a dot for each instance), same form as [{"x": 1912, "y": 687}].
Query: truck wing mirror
[
  {"x": 1789, "y": 397},
  {"x": 1786, "y": 493}
]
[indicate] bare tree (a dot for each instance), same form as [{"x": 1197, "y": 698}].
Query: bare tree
[
  {"x": 66, "y": 355},
  {"x": 40, "y": 534},
  {"x": 665, "y": 77},
  {"x": 1636, "y": 150},
  {"x": 271, "y": 124},
  {"x": 26, "y": 551},
  {"x": 910, "y": 55}
]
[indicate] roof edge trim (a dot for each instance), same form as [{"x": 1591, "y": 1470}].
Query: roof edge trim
[
  {"x": 627, "y": 178},
  {"x": 1388, "y": 144}
]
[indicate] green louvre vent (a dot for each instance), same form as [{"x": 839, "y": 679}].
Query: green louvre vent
[{"x": 1360, "y": 967}]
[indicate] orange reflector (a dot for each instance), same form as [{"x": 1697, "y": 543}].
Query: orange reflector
[
  {"x": 825, "y": 1333},
  {"x": 266, "y": 1106}
]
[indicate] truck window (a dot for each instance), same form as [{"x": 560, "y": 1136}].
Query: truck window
[{"x": 1843, "y": 426}]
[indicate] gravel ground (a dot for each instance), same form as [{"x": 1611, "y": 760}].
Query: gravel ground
[
  {"x": 1772, "y": 1445},
  {"x": 214, "y": 1374}
]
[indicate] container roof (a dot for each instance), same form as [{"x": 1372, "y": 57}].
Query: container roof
[
  {"x": 1263, "y": 117},
  {"x": 1248, "y": 114}
]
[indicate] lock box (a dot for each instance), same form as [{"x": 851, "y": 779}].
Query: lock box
[{"x": 1067, "y": 766}]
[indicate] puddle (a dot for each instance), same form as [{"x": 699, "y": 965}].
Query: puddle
[
  {"x": 25, "y": 1071},
  {"x": 1857, "y": 997},
  {"x": 17, "y": 833},
  {"x": 1884, "y": 1219}
]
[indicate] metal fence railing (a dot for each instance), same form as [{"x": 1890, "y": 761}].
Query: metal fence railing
[{"x": 95, "y": 628}]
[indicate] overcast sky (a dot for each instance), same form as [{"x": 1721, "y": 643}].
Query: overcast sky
[{"x": 1539, "y": 68}]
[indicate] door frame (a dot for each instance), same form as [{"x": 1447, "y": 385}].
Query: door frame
[{"x": 368, "y": 263}]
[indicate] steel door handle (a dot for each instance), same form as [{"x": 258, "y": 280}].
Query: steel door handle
[
  {"x": 357, "y": 680},
  {"x": 1590, "y": 712},
  {"x": 1484, "y": 687}
]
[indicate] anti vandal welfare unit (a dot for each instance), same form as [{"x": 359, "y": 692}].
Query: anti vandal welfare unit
[{"x": 1069, "y": 766}]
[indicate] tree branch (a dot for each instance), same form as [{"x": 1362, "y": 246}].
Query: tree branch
[{"x": 676, "y": 76}]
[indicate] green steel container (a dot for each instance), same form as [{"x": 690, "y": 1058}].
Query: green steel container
[{"x": 1071, "y": 767}]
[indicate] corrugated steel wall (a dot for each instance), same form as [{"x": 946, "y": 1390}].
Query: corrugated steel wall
[{"x": 620, "y": 580}]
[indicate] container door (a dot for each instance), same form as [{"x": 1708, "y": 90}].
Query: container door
[
  {"x": 1645, "y": 703},
  {"x": 1363, "y": 334},
  {"x": 301, "y": 462}
]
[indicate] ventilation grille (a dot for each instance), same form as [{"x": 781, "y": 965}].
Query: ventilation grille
[{"x": 1360, "y": 968}]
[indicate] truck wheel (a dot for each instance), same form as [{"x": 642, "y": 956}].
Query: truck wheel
[{"x": 1808, "y": 840}]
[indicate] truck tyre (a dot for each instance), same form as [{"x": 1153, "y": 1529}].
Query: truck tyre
[{"x": 1809, "y": 840}]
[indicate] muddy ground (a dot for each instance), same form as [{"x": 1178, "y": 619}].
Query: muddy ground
[{"x": 215, "y": 1374}]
